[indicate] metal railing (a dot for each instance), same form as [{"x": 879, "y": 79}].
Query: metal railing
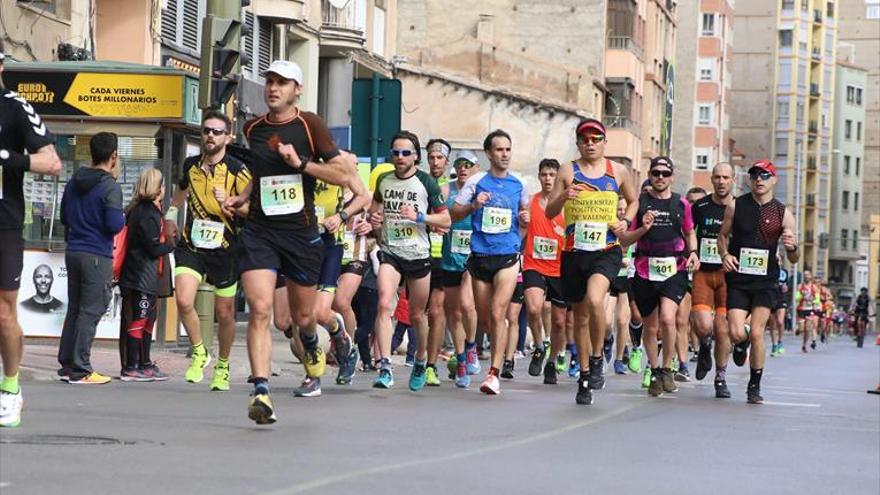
[
  {"x": 339, "y": 18},
  {"x": 621, "y": 122},
  {"x": 625, "y": 43}
]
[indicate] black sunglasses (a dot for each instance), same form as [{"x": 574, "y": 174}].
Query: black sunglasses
[
  {"x": 661, "y": 173},
  {"x": 763, "y": 175},
  {"x": 213, "y": 130}
]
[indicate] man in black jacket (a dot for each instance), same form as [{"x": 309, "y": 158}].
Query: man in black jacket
[{"x": 91, "y": 209}]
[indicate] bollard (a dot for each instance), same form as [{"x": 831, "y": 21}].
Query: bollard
[{"x": 205, "y": 309}]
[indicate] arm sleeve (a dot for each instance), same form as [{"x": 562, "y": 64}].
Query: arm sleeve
[
  {"x": 33, "y": 130},
  {"x": 325, "y": 148},
  {"x": 114, "y": 218},
  {"x": 151, "y": 228},
  {"x": 469, "y": 190},
  {"x": 687, "y": 223}
]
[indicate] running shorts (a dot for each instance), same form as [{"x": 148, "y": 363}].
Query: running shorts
[
  {"x": 579, "y": 266},
  {"x": 710, "y": 291},
  {"x": 648, "y": 293},
  {"x": 748, "y": 297},
  {"x": 11, "y": 259},
  {"x": 552, "y": 286},
  {"x": 483, "y": 267},
  {"x": 217, "y": 269},
  {"x": 296, "y": 254},
  {"x": 409, "y": 269},
  {"x": 620, "y": 285}
]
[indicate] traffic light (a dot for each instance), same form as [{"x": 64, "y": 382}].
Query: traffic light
[{"x": 221, "y": 39}]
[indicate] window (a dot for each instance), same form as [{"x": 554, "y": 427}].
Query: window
[
  {"x": 856, "y": 201},
  {"x": 707, "y": 69},
  {"x": 708, "y": 26},
  {"x": 805, "y": 5},
  {"x": 844, "y": 235},
  {"x": 785, "y": 37},
  {"x": 181, "y": 23},
  {"x": 787, "y": 4},
  {"x": 858, "y": 165},
  {"x": 379, "y": 31},
  {"x": 845, "y": 200},
  {"x": 702, "y": 160},
  {"x": 855, "y": 239},
  {"x": 830, "y": 9},
  {"x": 858, "y": 131},
  {"x": 846, "y": 164},
  {"x": 619, "y": 103},
  {"x": 872, "y": 12},
  {"x": 850, "y": 94},
  {"x": 705, "y": 115},
  {"x": 800, "y": 112},
  {"x": 59, "y": 8},
  {"x": 858, "y": 99},
  {"x": 847, "y": 129},
  {"x": 783, "y": 108}
]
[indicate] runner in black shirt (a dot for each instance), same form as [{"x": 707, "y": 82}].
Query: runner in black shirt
[{"x": 25, "y": 146}]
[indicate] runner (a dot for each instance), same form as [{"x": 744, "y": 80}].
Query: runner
[
  {"x": 461, "y": 315},
  {"x": 542, "y": 259},
  {"x": 25, "y": 146},
  {"x": 777, "y": 320},
  {"x": 617, "y": 308},
  {"x": 710, "y": 290},
  {"x": 438, "y": 162},
  {"x": 684, "y": 315},
  {"x": 588, "y": 189},
  {"x": 666, "y": 251},
  {"x": 861, "y": 312},
  {"x": 826, "y": 310},
  {"x": 498, "y": 203},
  {"x": 407, "y": 201},
  {"x": 207, "y": 242},
  {"x": 806, "y": 297},
  {"x": 281, "y": 234},
  {"x": 334, "y": 207},
  {"x": 748, "y": 251}
]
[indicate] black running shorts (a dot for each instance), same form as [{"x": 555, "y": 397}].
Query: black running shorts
[
  {"x": 11, "y": 259},
  {"x": 579, "y": 266},
  {"x": 483, "y": 267},
  {"x": 648, "y": 293},
  {"x": 748, "y": 297},
  {"x": 296, "y": 254},
  {"x": 409, "y": 269},
  {"x": 552, "y": 287}
]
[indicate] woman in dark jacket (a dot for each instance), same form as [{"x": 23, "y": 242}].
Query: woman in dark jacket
[{"x": 139, "y": 280}]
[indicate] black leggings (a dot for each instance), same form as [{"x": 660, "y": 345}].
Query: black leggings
[
  {"x": 136, "y": 330},
  {"x": 365, "y": 305}
]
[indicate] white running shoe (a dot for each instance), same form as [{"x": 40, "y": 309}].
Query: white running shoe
[{"x": 10, "y": 409}]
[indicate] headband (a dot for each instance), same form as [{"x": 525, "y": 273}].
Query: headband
[{"x": 441, "y": 148}]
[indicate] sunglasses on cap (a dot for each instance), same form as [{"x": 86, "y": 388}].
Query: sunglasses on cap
[
  {"x": 760, "y": 174},
  {"x": 661, "y": 173},
  {"x": 402, "y": 152},
  {"x": 216, "y": 131},
  {"x": 464, "y": 164},
  {"x": 592, "y": 138}
]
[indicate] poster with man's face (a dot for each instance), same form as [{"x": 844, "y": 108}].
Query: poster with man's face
[{"x": 43, "y": 299}]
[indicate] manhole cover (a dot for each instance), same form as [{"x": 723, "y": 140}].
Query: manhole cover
[{"x": 62, "y": 440}]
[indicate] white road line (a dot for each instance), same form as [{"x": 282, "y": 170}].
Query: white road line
[
  {"x": 330, "y": 480},
  {"x": 790, "y": 404}
]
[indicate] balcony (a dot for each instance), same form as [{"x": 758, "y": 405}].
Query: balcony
[
  {"x": 343, "y": 28},
  {"x": 814, "y": 90},
  {"x": 817, "y": 16},
  {"x": 625, "y": 43},
  {"x": 621, "y": 122},
  {"x": 811, "y": 200},
  {"x": 811, "y": 163},
  {"x": 279, "y": 11},
  {"x": 813, "y": 127},
  {"x": 816, "y": 55}
]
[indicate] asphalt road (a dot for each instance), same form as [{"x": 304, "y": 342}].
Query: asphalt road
[{"x": 818, "y": 433}]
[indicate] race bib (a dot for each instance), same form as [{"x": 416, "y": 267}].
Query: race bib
[
  {"x": 348, "y": 247},
  {"x": 281, "y": 194},
  {"x": 753, "y": 261},
  {"x": 590, "y": 236},
  {"x": 660, "y": 269},
  {"x": 496, "y": 220},
  {"x": 402, "y": 233},
  {"x": 461, "y": 242},
  {"x": 206, "y": 234},
  {"x": 709, "y": 251},
  {"x": 544, "y": 248}
]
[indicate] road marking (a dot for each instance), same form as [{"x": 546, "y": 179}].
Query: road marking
[
  {"x": 330, "y": 480},
  {"x": 790, "y": 404}
]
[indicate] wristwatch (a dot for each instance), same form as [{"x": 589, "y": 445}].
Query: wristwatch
[{"x": 344, "y": 216}]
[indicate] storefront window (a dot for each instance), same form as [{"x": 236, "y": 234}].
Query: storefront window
[{"x": 43, "y": 193}]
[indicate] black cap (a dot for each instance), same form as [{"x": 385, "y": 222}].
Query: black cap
[{"x": 661, "y": 161}]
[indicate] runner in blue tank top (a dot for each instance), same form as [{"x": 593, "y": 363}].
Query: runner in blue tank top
[
  {"x": 588, "y": 190},
  {"x": 498, "y": 203},
  {"x": 461, "y": 316}
]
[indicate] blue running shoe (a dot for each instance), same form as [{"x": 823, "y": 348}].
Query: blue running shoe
[
  {"x": 347, "y": 367},
  {"x": 418, "y": 377},
  {"x": 462, "y": 379},
  {"x": 574, "y": 369},
  {"x": 608, "y": 348},
  {"x": 619, "y": 367},
  {"x": 385, "y": 379},
  {"x": 473, "y": 363}
]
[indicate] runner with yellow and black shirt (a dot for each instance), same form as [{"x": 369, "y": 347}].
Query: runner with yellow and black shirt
[{"x": 207, "y": 241}]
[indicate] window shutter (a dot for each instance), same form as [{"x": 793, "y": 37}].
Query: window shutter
[
  {"x": 169, "y": 22},
  {"x": 191, "y": 20},
  {"x": 265, "y": 49}
]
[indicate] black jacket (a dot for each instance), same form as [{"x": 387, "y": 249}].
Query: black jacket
[{"x": 141, "y": 269}]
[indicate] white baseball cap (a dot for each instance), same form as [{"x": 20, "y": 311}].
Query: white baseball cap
[{"x": 286, "y": 69}]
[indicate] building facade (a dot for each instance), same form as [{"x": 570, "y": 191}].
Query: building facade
[
  {"x": 701, "y": 121},
  {"x": 848, "y": 168},
  {"x": 781, "y": 107}
]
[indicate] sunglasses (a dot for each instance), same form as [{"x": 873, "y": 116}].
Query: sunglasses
[
  {"x": 661, "y": 173},
  {"x": 213, "y": 130},
  {"x": 403, "y": 152},
  {"x": 760, "y": 175},
  {"x": 464, "y": 164},
  {"x": 592, "y": 138}
]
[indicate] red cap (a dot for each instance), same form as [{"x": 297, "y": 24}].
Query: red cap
[
  {"x": 765, "y": 165},
  {"x": 588, "y": 125}
]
